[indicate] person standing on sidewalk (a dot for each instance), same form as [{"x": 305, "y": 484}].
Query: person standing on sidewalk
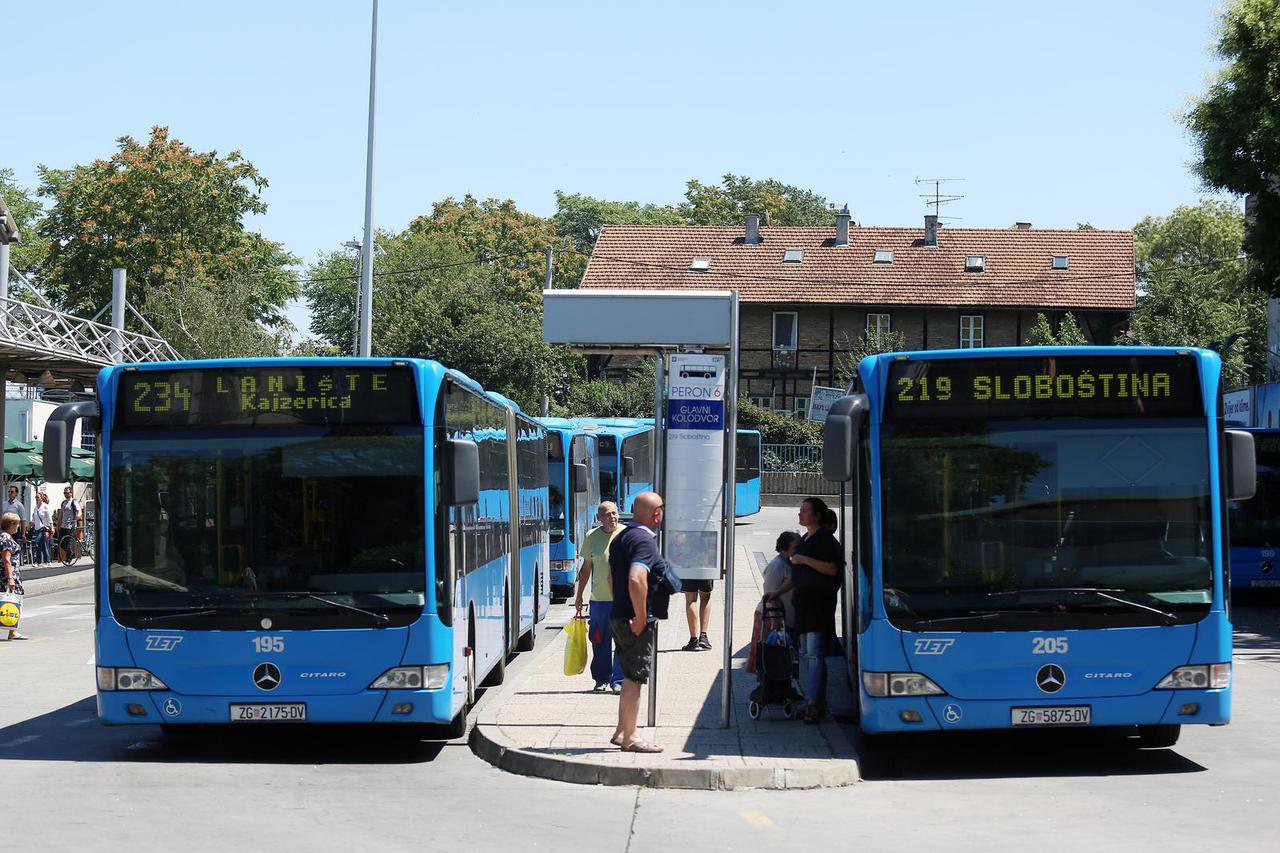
[
  {"x": 697, "y": 610},
  {"x": 634, "y": 559},
  {"x": 815, "y": 575},
  {"x": 10, "y": 560},
  {"x": 606, "y": 669},
  {"x": 13, "y": 505},
  {"x": 69, "y": 515},
  {"x": 41, "y": 529}
]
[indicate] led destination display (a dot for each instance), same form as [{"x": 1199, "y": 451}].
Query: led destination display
[
  {"x": 1057, "y": 387},
  {"x": 268, "y": 396}
]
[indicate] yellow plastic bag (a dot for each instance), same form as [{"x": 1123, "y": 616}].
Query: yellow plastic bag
[{"x": 575, "y": 646}]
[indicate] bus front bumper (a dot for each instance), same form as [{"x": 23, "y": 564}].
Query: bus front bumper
[
  {"x": 123, "y": 707},
  {"x": 935, "y": 713}
]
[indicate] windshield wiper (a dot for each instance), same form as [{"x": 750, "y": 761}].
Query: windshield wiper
[
  {"x": 321, "y": 596},
  {"x": 988, "y": 614},
  {"x": 151, "y": 620},
  {"x": 1101, "y": 592}
]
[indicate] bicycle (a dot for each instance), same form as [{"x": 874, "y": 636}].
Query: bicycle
[{"x": 68, "y": 548}]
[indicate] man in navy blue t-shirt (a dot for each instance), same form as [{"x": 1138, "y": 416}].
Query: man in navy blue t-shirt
[{"x": 633, "y": 558}]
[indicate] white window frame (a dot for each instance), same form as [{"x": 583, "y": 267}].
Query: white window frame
[
  {"x": 795, "y": 331},
  {"x": 764, "y": 401},
  {"x": 975, "y": 263},
  {"x": 800, "y": 407},
  {"x": 976, "y": 333},
  {"x": 880, "y": 323}
]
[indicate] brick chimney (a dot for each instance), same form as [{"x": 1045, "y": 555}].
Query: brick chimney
[
  {"x": 931, "y": 229},
  {"x": 842, "y": 228},
  {"x": 753, "y": 229}
]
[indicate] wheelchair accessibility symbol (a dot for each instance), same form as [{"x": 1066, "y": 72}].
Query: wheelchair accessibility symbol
[
  {"x": 952, "y": 713},
  {"x": 172, "y": 707}
]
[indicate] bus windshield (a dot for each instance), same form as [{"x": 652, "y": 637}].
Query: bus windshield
[
  {"x": 990, "y": 525},
  {"x": 555, "y": 493},
  {"x": 296, "y": 528}
]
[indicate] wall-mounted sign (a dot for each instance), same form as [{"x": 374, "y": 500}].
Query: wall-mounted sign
[{"x": 820, "y": 400}]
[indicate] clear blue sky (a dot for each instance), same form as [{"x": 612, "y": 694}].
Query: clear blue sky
[{"x": 1053, "y": 113}]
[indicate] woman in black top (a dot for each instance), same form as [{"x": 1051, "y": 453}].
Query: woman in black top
[{"x": 815, "y": 574}]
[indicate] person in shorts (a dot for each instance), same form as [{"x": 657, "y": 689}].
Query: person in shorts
[
  {"x": 633, "y": 559},
  {"x": 697, "y": 609}
]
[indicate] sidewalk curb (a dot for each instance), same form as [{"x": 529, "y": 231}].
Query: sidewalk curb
[
  {"x": 489, "y": 745},
  {"x": 58, "y": 583}
]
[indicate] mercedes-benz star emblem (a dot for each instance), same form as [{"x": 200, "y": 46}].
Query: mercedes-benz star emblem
[
  {"x": 1050, "y": 678},
  {"x": 266, "y": 676}
]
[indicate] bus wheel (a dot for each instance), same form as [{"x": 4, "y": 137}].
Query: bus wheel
[
  {"x": 457, "y": 727},
  {"x": 526, "y": 643},
  {"x": 1156, "y": 737},
  {"x": 498, "y": 674}
]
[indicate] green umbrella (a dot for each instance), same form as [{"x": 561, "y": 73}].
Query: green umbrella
[
  {"x": 23, "y": 466},
  {"x": 81, "y": 468},
  {"x": 12, "y": 445}
]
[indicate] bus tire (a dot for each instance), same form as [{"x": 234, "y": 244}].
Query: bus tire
[
  {"x": 1158, "y": 737},
  {"x": 530, "y": 638},
  {"x": 498, "y": 674},
  {"x": 457, "y": 727}
]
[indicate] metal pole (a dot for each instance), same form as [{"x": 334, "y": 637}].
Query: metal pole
[
  {"x": 550, "y": 267},
  {"x": 4, "y": 393},
  {"x": 730, "y": 507},
  {"x": 355, "y": 325},
  {"x": 366, "y": 251},
  {"x": 118, "y": 279},
  {"x": 4, "y": 268},
  {"x": 659, "y": 486}
]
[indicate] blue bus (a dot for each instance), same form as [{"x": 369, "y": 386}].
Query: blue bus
[
  {"x": 746, "y": 473},
  {"x": 1037, "y": 538},
  {"x": 309, "y": 540},
  {"x": 573, "y": 473},
  {"x": 1255, "y": 523},
  {"x": 626, "y": 458}
]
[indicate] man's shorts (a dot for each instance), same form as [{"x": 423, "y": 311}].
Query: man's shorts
[
  {"x": 633, "y": 651},
  {"x": 697, "y": 586}
]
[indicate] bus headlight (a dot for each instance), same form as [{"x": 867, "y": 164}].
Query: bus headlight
[
  {"x": 431, "y": 677},
  {"x": 1214, "y": 676},
  {"x": 899, "y": 684},
  {"x": 128, "y": 678},
  {"x": 562, "y": 565}
]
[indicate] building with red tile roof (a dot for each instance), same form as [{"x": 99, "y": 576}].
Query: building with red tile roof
[{"x": 808, "y": 293}]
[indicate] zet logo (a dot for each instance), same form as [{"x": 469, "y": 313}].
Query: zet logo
[
  {"x": 927, "y": 646},
  {"x": 9, "y": 613},
  {"x": 162, "y": 643}
]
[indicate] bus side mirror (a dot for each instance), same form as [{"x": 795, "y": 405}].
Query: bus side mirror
[
  {"x": 464, "y": 472},
  {"x": 628, "y": 466},
  {"x": 839, "y": 435},
  {"x": 580, "y": 477},
  {"x": 57, "y": 437},
  {"x": 1242, "y": 466}
]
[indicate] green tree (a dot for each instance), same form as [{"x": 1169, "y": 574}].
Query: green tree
[
  {"x": 167, "y": 214},
  {"x": 25, "y": 209},
  {"x": 736, "y": 196},
  {"x": 433, "y": 299},
  {"x": 580, "y": 217},
  {"x": 514, "y": 242},
  {"x": 777, "y": 428},
  {"x": 193, "y": 318},
  {"x": 1069, "y": 333},
  {"x": 1194, "y": 291},
  {"x": 871, "y": 342},
  {"x": 1236, "y": 124},
  {"x": 630, "y": 397}
]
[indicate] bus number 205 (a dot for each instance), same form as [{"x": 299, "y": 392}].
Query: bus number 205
[{"x": 1048, "y": 645}]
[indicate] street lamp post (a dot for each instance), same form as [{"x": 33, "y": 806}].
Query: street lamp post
[
  {"x": 355, "y": 315},
  {"x": 365, "y": 302}
]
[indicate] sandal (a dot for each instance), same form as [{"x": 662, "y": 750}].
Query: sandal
[
  {"x": 19, "y": 637},
  {"x": 614, "y": 740},
  {"x": 641, "y": 746}
]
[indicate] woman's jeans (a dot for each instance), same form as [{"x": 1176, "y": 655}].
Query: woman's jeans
[
  {"x": 39, "y": 547},
  {"x": 813, "y": 668}
]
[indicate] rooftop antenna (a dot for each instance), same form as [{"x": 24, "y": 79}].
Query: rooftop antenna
[{"x": 937, "y": 199}]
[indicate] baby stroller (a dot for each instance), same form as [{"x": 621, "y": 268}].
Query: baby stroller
[{"x": 775, "y": 664}]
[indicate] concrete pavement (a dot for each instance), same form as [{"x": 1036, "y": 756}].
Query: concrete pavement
[{"x": 554, "y": 726}]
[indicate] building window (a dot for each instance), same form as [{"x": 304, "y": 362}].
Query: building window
[
  {"x": 784, "y": 330},
  {"x": 883, "y": 256},
  {"x": 793, "y": 256},
  {"x": 1061, "y": 262},
  {"x": 878, "y": 324},
  {"x": 700, "y": 264},
  {"x": 800, "y": 407},
  {"x": 975, "y": 263},
  {"x": 88, "y": 439},
  {"x": 970, "y": 331},
  {"x": 764, "y": 401}
]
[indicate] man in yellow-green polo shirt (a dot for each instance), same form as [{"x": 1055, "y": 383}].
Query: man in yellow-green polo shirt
[{"x": 605, "y": 667}]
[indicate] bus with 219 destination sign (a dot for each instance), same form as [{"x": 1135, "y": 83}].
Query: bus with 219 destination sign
[
  {"x": 308, "y": 540},
  {"x": 1038, "y": 538}
]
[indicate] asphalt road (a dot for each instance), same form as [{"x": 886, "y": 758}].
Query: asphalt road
[{"x": 70, "y": 783}]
